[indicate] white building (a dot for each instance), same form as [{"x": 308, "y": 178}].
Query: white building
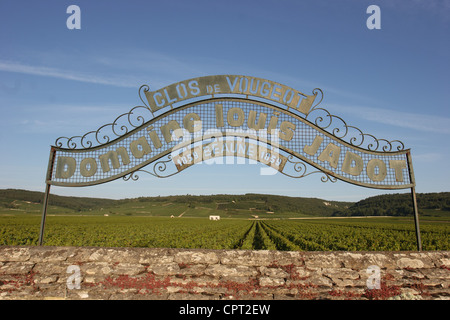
[{"x": 214, "y": 217}]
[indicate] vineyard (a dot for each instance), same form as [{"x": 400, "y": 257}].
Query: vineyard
[{"x": 344, "y": 234}]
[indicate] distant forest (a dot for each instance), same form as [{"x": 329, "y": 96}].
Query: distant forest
[
  {"x": 383, "y": 205},
  {"x": 7, "y": 197},
  {"x": 396, "y": 205}
]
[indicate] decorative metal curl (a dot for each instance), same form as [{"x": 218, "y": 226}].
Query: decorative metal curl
[
  {"x": 301, "y": 167},
  {"x": 326, "y": 177},
  {"x": 133, "y": 176},
  {"x": 161, "y": 166},
  {"x": 158, "y": 168},
  {"x": 144, "y": 88},
  {"x": 119, "y": 127},
  {"x": 325, "y": 122}
]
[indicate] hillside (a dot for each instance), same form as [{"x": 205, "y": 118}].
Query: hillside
[
  {"x": 8, "y": 196},
  {"x": 248, "y": 205},
  {"x": 244, "y": 206},
  {"x": 429, "y": 204}
]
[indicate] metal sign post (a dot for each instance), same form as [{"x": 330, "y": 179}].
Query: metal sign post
[
  {"x": 414, "y": 202},
  {"x": 44, "y": 214},
  {"x": 46, "y": 195},
  {"x": 416, "y": 219}
]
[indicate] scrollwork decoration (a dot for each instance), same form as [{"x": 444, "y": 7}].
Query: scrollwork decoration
[
  {"x": 159, "y": 170},
  {"x": 133, "y": 176},
  {"x": 145, "y": 88},
  {"x": 300, "y": 168},
  {"x": 327, "y": 121},
  {"x": 123, "y": 124}
]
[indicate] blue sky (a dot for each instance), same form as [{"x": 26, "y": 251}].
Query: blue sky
[{"x": 392, "y": 82}]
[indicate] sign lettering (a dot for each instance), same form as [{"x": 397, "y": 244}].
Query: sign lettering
[{"x": 228, "y": 84}]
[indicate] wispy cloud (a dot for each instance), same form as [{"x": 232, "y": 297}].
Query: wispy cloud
[
  {"x": 415, "y": 121},
  {"x": 123, "y": 68},
  {"x": 436, "y": 8},
  {"x": 428, "y": 157},
  {"x": 68, "y": 119},
  {"x": 11, "y": 66}
]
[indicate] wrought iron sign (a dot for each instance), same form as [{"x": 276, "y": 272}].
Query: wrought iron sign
[{"x": 208, "y": 118}]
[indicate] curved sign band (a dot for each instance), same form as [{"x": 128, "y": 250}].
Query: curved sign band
[{"x": 209, "y": 130}]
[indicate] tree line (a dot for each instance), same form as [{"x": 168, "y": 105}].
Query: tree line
[
  {"x": 382, "y": 205},
  {"x": 396, "y": 205}
]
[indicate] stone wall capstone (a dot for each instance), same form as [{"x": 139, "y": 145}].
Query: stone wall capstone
[{"x": 98, "y": 273}]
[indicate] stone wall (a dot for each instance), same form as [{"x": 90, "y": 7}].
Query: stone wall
[{"x": 77, "y": 273}]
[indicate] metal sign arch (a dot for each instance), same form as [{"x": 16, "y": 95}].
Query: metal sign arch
[{"x": 207, "y": 118}]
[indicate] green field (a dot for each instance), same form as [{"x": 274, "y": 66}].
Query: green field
[
  {"x": 354, "y": 234},
  {"x": 258, "y": 222}
]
